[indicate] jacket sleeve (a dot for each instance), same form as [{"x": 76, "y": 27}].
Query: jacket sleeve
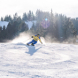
[
  {"x": 33, "y": 36},
  {"x": 40, "y": 40}
]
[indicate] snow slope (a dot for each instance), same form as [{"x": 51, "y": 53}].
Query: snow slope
[
  {"x": 41, "y": 61},
  {"x": 30, "y": 23},
  {"x": 3, "y": 23}
]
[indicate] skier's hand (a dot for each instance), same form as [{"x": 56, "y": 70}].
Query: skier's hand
[{"x": 32, "y": 37}]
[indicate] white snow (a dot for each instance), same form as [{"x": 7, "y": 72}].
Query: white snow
[
  {"x": 30, "y": 23},
  {"x": 40, "y": 61},
  {"x": 3, "y": 23}
]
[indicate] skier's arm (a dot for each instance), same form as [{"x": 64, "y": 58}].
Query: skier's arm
[
  {"x": 40, "y": 41},
  {"x": 33, "y": 36}
]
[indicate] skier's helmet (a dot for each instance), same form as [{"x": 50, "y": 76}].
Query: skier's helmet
[{"x": 37, "y": 34}]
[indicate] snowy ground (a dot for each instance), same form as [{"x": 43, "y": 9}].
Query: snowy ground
[
  {"x": 41, "y": 61},
  {"x": 30, "y": 23}
]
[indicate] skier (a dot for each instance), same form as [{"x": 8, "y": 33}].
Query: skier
[{"x": 35, "y": 39}]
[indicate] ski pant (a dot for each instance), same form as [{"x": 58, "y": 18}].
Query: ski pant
[{"x": 33, "y": 41}]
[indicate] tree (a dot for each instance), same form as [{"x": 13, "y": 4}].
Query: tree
[
  {"x": 0, "y": 28},
  {"x": 15, "y": 17},
  {"x": 2, "y": 19},
  {"x": 0, "y": 33},
  {"x": 68, "y": 28},
  {"x": 29, "y": 15},
  {"x": 23, "y": 27},
  {"x": 8, "y": 18},
  {"x": 24, "y": 18},
  {"x": 51, "y": 28}
]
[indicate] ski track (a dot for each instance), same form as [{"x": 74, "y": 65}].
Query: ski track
[{"x": 39, "y": 61}]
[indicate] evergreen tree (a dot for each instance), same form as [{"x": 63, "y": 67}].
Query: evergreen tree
[
  {"x": 23, "y": 27},
  {"x": 1, "y": 33},
  {"x": 24, "y": 18},
  {"x": 2, "y": 19},
  {"x": 29, "y": 16},
  {"x": 8, "y": 18},
  {"x": 68, "y": 28},
  {"x": 0, "y": 28},
  {"x": 15, "y": 17}
]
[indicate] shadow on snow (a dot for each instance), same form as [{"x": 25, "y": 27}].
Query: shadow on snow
[{"x": 32, "y": 50}]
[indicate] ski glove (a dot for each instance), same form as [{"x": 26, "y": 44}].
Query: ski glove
[{"x": 32, "y": 37}]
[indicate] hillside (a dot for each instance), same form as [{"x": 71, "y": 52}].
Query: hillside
[
  {"x": 40, "y": 61},
  {"x": 30, "y": 23}
]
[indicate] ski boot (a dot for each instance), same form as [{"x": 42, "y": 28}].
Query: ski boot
[
  {"x": 32, "y": 44},
  {"x": 27, "y": 44}
]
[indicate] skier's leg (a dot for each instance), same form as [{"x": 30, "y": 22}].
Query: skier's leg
[
  {"x": 30, "y": 42},
  {"x": 34, "y": 42}
]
